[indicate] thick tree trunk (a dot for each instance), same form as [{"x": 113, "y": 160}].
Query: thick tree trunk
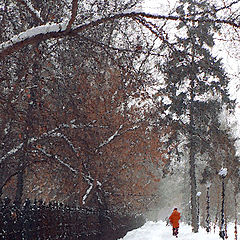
[{"x": 23, "y": 160}]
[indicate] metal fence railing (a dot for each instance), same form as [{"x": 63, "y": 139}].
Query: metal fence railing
[{"x": 36, "y": 220}]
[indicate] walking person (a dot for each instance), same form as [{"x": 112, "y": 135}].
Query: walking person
[{"x": 174, "y": 220}]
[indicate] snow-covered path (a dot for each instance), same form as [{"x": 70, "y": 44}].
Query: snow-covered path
[{"x": 159, "y": 231}]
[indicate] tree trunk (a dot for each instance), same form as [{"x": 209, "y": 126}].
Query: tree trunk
[
  {"x": 222, "y": 229},
  {"x": 23, "y": 160},
  {"x": 236, "y": 215},
  {"x": 208, "y": 208},
  {"x": 192, "y": 163},
  {"x": 193, "y": 186}
]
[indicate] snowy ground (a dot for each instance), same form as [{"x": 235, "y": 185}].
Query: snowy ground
[{"x": 159, "y": 231}]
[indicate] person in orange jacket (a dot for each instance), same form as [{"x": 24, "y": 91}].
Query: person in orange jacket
[{"x": 174, "y": 220}]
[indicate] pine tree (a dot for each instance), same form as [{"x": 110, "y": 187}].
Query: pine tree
[{"x": 193, "y": 77}]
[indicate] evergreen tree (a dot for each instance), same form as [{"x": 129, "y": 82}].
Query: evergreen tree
[{"x": 193, "y": 77}]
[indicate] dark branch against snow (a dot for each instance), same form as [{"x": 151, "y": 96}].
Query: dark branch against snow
[
  {"x": 50, "y": 30},
  {"x": 73, "y": 14}
]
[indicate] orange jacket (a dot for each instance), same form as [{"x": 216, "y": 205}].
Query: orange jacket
[{"x": 174, "y": 218}]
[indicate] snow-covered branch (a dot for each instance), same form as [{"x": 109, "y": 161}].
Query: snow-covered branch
[
  {"x": 11, "y": 152},
  {"x": 32, "y": 33},
  {"x": 50, "y": 30},
  {"x": 59, "y": 160},
  {"x": 66, "y": 165},
  {"x": 66, "y": 139},
  {"x": 87, "y": 193},
  {"x": 110, "y": 138},
  {"x": 90, "y": 181},
  {"x": 14, "y": 150},
  {"x": 117, "y": 133},
  {"x": 50, "y": 133}
]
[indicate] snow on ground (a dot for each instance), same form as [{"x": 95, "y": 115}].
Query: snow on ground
[{"x": 159, "y": 231}]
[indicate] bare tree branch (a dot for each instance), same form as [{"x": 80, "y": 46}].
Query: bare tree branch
[
  {"x": 60, "y": 30},
  {"x": 74, "y": 14}
]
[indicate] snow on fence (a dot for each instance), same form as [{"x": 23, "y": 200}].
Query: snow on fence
[{"x": 36, "y": 220}]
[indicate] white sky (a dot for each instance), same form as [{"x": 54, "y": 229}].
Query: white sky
[
  {"x": 158, "y": 6},
  {"x": 229, "y": 52},
  {"x": 231, "y": 60}
]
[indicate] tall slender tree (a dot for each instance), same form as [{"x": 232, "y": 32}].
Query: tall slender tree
[{"x": 193, "y": 76}]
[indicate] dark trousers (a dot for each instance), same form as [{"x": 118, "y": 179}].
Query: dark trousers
[{"x": 175, "y": 231}]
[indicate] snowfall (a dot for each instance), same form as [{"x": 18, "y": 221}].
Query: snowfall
[{"x": 159, "y": 231}]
